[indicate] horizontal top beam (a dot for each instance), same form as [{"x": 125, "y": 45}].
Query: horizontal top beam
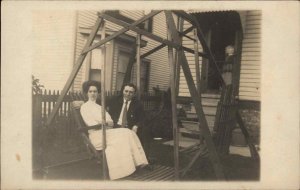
[{"x": 149, "y": 34}]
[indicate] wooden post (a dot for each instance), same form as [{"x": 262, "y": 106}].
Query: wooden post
[
  {"x": 138, "y": 66},
  {"x": 197, "y": 102},
  {"x": 103, "y": 93},
  {"x": 177, "y": 62},
  {"x": 174, "y": 111},
  {"x": 198, "y": 82}
]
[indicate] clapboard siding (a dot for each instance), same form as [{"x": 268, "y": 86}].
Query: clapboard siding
[
  {"x": 87, "y": 19},
  {"x": 54, "y": 36},
  {"x": 159, "y": 66}
]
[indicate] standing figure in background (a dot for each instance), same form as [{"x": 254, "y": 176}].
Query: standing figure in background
[
  {"x": 228, "y": 65},
  {"x": 124, "y": 151}
]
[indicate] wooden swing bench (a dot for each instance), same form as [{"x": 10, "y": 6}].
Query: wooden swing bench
[
  {"x": 159, "y": 172},
  {"x": 83, "y": 130}
]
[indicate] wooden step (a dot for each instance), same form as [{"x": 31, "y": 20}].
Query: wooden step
[
  {"x": 191, "y": 114},
  {"x": 209, "y": 118},
  {"x": 212, "y": 96},
  {"x": 207, "y": 103},
  {"x": 194, "y": 126}
]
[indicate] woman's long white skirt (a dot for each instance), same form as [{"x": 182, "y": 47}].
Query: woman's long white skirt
[{"x": 123, "y": 151}]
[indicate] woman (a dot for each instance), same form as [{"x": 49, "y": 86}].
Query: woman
[
  {"x": 123, "y": 151},
  {"x": 227, "y": 67}
]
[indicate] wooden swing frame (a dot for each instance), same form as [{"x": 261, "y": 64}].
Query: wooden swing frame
[{"x": 174, "y": 41}]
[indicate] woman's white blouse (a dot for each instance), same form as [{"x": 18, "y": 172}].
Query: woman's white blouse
[{"x": 92, "y": 114}]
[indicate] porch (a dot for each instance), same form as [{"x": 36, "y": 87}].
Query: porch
[
  {"x": 59, "y": 152},
  {"x": 237, "y": 167}
]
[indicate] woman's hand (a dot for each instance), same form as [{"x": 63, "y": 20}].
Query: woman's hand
[
  {"x": 135, "y": 128},
  {"x": 110, "y": 123}
]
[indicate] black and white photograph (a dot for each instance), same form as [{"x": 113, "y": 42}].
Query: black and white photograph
[{"x": 152, "y": 97}]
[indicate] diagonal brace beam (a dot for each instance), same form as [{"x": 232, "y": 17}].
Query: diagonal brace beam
[
  {"x": 163, "y": 45},
  {"x": 99, "y": 23},
  {"x": 200, "y": 35}
]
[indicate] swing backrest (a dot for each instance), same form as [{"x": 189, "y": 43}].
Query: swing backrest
[{"x": 81, "y": 126}]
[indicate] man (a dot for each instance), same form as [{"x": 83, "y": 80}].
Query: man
[{"x": 132, "y": 116}]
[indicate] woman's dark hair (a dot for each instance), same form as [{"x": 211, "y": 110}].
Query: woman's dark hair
[
  {"x": 128, "y": 84},
  {"x": 87, "y": 84}
]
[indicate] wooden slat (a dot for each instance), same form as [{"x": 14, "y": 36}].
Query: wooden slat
[
  {"x": 161, "y": 174},
  {"x": 157, "y": 169}
]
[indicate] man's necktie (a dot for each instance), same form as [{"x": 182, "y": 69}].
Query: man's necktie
[{"x": 124, "y": 116}]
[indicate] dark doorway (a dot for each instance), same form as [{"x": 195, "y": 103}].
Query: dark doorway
[{"x": 220, "y": 29}]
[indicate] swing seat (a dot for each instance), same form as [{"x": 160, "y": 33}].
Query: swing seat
[
  {"x": 83, "y": 130},
  {"x": 159, "y": 173}
]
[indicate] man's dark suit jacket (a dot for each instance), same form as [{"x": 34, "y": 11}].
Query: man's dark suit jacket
[
  {"x": 135, "y": 112},
  {"x": 135, "y": 116}
]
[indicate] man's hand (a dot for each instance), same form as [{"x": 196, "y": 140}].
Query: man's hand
[{"x": 135, "y": 128}]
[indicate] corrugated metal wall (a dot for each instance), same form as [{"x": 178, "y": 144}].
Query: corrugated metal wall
[
  {"x": 251, "y": 58},
  {"x": 53, "y": 44}
]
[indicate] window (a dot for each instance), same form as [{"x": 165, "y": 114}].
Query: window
[
  {"x": 123, "y": 61},
  {"x": 122, "y": 68},
  {"x": 95, "y": 65},
  {"x": 148, "y": 23}
]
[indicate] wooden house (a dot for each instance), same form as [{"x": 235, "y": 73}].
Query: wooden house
[
  {"x": 64, "y": 35},
  {"x": 222, "y": 28},
  {"x": 60, "y": 38}
]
